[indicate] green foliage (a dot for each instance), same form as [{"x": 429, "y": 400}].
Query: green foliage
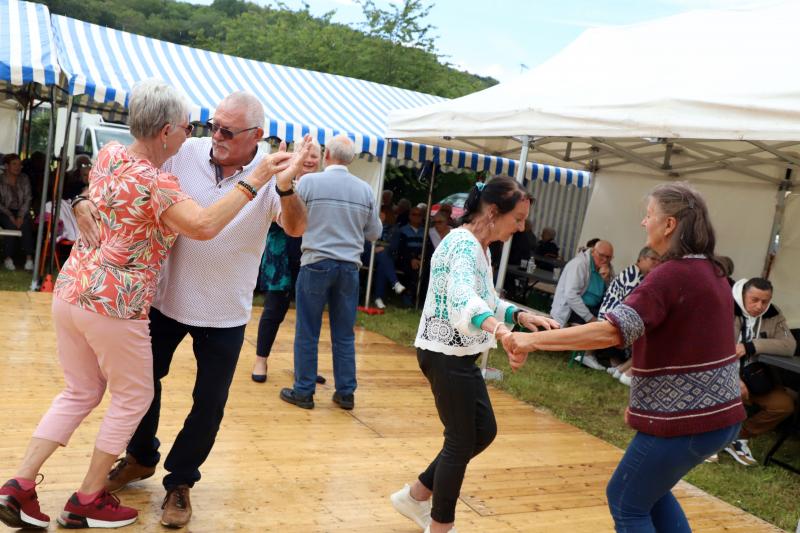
[{"x": 395, "y": 46}]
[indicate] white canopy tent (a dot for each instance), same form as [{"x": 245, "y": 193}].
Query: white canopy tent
[{"x": 705, "y": 96}]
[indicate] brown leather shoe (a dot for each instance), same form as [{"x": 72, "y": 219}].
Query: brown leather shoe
[
  {"x": 127, "y": 470},
  {"x": 177, "y": 507}
]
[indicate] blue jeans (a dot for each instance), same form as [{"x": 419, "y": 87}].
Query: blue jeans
[
  {"x": 334, "y": 283},
  {"x": 639, "y": 493},
  {"x": 384, "y": 271}
]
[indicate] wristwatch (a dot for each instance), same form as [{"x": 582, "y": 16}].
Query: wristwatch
[
  {"x": 78, "y": 199},
  {"x": 515, "y": 316},
  {"x": 284, "y": 193}
]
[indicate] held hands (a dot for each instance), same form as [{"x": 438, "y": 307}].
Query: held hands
[
  {"x": 285, "y": 177},
  {"x": 517, "y": 355},
  {"x": 88, "y": 218},
  {"x": 271, "y": 165}
]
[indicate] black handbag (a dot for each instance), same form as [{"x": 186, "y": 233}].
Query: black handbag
[{"x": 758, "y": 378}]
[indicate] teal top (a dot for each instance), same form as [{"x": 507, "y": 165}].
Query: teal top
[
  {"x": 460, "y": 297},
  {"x": 593, "y": 296}
]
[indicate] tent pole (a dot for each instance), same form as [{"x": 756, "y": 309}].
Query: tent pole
[
  {"x": 501, "y": 270},
  {"x": 378, "y": 200},
  {"x": 45, "y": 186},
  {"x": 425, "y": 235},
  {"x": 777, "y": 221},
  {"x": 520, "y": 177},
  {"x": 62, "y": 168}
]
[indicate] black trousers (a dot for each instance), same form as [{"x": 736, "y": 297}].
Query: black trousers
[
  {"x": 276, "y": 304},
  {"x": 12, "y": 244},
  {"x": 217, "y": 352},
  {"x": 469, "y": 425}
]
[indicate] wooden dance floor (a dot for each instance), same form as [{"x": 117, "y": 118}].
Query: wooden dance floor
[{"x": 276, "y": 467}]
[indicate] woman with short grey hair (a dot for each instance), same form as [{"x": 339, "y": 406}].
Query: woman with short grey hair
[{"x": 102, "y": 297}]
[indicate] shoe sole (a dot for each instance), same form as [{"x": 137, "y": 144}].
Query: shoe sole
[
  {"x": 345, "y": 407},
  {"x": 173, "y": 526},
  {"x": 12, "y": 516},
  {"x": 739, "y": 459},
  {"x": 73, "y": 521},
  {"x": 302, "y": 405}
]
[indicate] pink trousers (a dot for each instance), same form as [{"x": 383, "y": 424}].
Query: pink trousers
[{"x": 96, "y": 352}]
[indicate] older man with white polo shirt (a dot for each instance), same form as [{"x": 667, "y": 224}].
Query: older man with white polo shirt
[{"x": 206, "y": 291}]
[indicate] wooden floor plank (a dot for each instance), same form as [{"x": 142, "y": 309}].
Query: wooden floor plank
[{"x": 279, "y": 468}]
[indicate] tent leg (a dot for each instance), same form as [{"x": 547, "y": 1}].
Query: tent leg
[
  {"x": 777, "y": 221},
  {"x": 523, "y": 160},
  {"x": 62, "y": 168},
  {"x": 45, "y": 185},
  {"x": 378, "y": 199},
  {"x": 425, "y": 235}
]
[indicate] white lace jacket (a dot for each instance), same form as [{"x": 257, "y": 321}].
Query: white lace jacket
[{"x": 460, "y": 289}]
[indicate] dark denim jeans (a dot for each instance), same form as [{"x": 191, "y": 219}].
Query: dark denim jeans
[
  {"x": 216, "y": 351},
  {"x": 465, "y": 410},
  {"x": 334, "y": 283},
  {"x": 639, "y": 493},
  {"x": 384, "y": 270}
]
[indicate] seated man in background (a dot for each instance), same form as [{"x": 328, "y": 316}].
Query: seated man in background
[
  {"x": 582, "y": 286},
  {"x": 547, "y": 247},
  {"x": 407, "y": 249},
  {"x": 618, "y": 290},
  {"x": 760, "y": 328}
]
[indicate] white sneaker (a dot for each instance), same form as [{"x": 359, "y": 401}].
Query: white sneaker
[
  {"x": 9, "y": 264},
  {"x": 417, "y": 511},
  {"x": 612, "y": 370},
  {"x": 713, "y": 458},
  {"x": 591, "y": 361},
  {"x": 398, "y": 287},
  {"x": 625, "y": 379},
  {"x": 452, "y": 530},
  {"x": 379, "y": 303},
  {"x": 740, "y": 451},
  {"x": 28, "y": 264}
]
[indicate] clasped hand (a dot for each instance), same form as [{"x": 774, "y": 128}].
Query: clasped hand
[
  {"x": 283, "y": 165},
  {"x": 518, "y": 345}
]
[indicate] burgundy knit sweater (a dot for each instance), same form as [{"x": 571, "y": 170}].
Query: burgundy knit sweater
[{"x": 685, "y": 369}]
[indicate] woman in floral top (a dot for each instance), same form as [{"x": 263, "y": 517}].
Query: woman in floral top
[
  {"x": 102, "y": 297},
  {"x": 462, "y": 317}
]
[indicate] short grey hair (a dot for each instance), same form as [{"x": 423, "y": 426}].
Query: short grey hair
[
  {"x": 153, "y": 104},
  {"x": 341, "y": 149},
  {"x": 249, "y": 103}
]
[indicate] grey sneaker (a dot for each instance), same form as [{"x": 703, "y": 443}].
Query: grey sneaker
[
  {"x": 415, "y": 510},
  {"x": 740, "y": 451},
  {"x": 590, "y": 361}
]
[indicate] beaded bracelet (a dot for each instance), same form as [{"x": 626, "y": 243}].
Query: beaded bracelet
[
  {"x": 249, "y": 187},
  {"x": 244, "y": 191}
]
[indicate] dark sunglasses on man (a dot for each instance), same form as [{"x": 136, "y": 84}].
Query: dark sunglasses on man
[{"x": 225, "y": 132}]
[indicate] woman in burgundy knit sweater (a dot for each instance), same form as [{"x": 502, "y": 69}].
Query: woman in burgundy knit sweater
[{"x": 685, "y": 402}]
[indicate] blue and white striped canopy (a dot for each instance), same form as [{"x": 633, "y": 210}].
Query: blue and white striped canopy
[
  {"x": 104, "y": 64},
  {"x": 27, "y": 53}
]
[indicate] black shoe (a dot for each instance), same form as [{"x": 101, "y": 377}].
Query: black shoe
[
  {"x": 289, "y": 396},
  {"x": 259, "y": 378},
  {"x": 321, "y": 379},
  {"x": 346, "y": 402}
]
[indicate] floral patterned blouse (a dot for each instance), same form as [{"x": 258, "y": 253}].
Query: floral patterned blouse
[{"x": 119, "y": 278}]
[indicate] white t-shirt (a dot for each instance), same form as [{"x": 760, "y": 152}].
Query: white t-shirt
[{"x": 210, "y": 283}]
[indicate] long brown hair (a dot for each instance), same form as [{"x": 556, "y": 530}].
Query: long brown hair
[{"x": 694, "y": 234}]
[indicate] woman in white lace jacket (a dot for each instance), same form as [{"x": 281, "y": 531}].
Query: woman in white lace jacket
[{"x": 462, "y": 317}]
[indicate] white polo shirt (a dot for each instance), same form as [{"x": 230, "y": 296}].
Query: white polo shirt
[{"x": 210, "y": 283}]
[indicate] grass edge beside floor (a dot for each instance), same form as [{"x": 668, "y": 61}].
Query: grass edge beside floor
[{"x": 592, "y": 401}]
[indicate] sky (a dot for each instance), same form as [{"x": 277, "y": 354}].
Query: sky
[{"x": 503, "y": 38}]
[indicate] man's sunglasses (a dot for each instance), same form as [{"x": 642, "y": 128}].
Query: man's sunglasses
[{"x": 225, "y": 132}]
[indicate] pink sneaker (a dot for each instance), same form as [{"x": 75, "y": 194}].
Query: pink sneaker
[
  {"x": 20, "y": 508},
  {"x": 104, "y": 511}
]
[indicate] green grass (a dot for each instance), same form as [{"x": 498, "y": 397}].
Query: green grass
[
  {"x": 19, "y": 280},
  {"x": 595, "y": 403}
]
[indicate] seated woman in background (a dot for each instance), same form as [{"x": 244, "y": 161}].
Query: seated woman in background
[
  {"x": 15, "y": 205},
  {"x": 77, "y": 179}
]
